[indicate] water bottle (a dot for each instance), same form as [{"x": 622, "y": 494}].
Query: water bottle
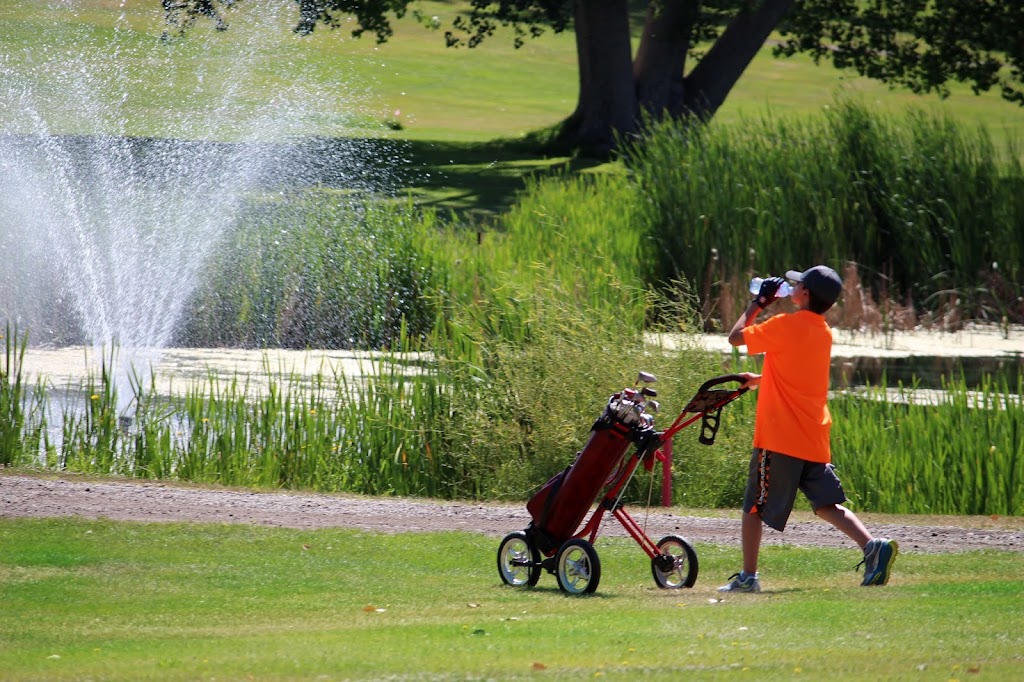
[{"x": 784, "y": 289}]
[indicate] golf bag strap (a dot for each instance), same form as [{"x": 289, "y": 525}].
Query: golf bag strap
[{"x": 542, "y": 522}]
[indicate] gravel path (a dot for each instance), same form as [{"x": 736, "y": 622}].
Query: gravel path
[{"x": 128, "y": 500}]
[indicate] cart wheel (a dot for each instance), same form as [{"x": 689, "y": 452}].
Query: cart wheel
[
  {"x": 676, "y": 566},
  {"x": 577, "y": 567},
  {"x": 518, "y": 560}
]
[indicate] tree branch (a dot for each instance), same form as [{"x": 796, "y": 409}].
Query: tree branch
[{"x": 708, "y": 84}]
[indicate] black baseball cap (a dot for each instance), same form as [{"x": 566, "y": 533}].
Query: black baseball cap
[{"x": 822, "y": 281}]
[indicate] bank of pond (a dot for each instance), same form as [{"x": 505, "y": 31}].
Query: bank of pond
[{"x": 442, "y": 431}]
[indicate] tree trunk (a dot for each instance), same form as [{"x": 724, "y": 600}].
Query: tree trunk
[
  {"x": 615, "y": 89},
  {"x": 607, "y": 104},
  {"x": 707, "y": 86},
  {"x": 661, "y": 57}
]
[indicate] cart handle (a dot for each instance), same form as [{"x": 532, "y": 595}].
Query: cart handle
[
  {"x": 707, "y": 403},
  {"x": 724, "y": 379}
]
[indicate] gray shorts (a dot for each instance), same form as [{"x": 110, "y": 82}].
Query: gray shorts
[{"x": 774, "y": 479}]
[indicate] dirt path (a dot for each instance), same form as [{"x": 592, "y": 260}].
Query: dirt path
[{"x": 127, "y": 500}]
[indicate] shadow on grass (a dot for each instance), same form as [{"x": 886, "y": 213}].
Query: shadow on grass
[
  {"x": 477, "y": 180},
  {"x": 472, "y": 180}
]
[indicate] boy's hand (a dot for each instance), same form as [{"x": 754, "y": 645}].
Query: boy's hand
[
  {"x": 766, "y": 295},
  {"x": 750, "y": 380}
]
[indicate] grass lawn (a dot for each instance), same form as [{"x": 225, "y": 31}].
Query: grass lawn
[{"x": 128, "y": 601}]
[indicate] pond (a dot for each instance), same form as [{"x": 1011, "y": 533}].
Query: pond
[{"x": 921, "y": 357}]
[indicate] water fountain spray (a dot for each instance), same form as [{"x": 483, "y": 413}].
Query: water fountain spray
[{"x": 107, "y": 220}]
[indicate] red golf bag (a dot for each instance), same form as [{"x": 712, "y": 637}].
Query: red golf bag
[{"x": 558, "y": 508}]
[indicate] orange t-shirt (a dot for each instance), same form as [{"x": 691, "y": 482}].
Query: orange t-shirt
[{"x": 792, "y": 410}]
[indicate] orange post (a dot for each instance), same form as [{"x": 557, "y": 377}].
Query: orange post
[{"x": 666, "y": 474}]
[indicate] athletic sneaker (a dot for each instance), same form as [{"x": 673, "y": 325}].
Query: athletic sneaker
[
  {"x": 879, "y": 556},
  {"x": 748, "y": 584}
]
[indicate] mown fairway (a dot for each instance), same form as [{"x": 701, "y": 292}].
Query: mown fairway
[{"x": 124, "y": 601}]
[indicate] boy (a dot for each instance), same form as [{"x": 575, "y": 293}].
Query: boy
[{"x": 791, "y": 430}]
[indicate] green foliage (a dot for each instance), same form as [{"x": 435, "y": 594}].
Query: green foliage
[
  {"x": 91, "y": 438},
  {"x": 23, "y": 423},
  {"x": 914, "y": 44},
  {"x": 125, "y": 601},
  {"x": 502, "y": 404},
  {"x": 504, "y": 400},
  {"x": 907, "y": 43},
  {"x": 543, "y": 366},
  {"x": 579, "y": 231},
  {"x": 919, "y": 203},
  {"x": 958, "y": 451},
  {"x": 313, "y": 269}
]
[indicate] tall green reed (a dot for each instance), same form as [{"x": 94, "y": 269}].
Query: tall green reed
[
  {"x": 329, "y": 431},
  {"x": 921, "y": 204},
  {"x": 92, "y": 432},
  {"x": 492, "y": 423},
  {"x": 523, "y": 404},
  {"x": 497, "y": 425},
  {"x": 317, "y": 269},
  {"x": 23, "y": 422},
  {"x": 960, "y": 451},
  {"x": 577, "y": 231}
]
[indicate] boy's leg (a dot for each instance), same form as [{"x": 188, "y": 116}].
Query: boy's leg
[
  {"x": 846, "y": 521},
  {"x": 750, "y": 535},
  {"x": 765, "y": 504},
  {"x": 825, "y": 492}
]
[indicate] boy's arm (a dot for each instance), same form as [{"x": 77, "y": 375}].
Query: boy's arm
[
  {"x": 765, "y": 296},
  {"x": 747, "y": 319}
]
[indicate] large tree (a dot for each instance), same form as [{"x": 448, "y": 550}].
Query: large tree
[{"x": 919, "y": 44}]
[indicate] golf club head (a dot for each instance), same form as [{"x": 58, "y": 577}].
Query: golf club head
[
  {"x": 645, "y": 378},
  {"x": 653, "y": 406}
]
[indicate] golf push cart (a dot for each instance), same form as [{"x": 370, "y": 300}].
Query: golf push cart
[{"x": 554, "y": 540}]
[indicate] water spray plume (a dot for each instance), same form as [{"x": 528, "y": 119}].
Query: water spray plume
[{"x": 108, "y": 221}]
